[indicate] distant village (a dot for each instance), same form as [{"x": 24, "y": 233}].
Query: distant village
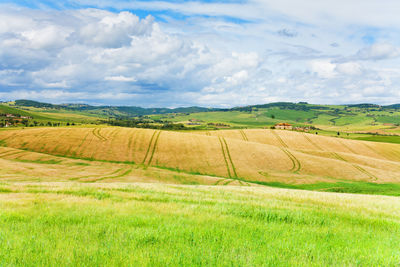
[
  {"x": 8, "y": 120},
  {"x": 288, "y": 126}
]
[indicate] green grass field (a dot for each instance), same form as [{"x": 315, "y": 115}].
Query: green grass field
[{"x": 68, "y": 224}]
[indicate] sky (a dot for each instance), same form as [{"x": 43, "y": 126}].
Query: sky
[{"x": 209, "y": 53}]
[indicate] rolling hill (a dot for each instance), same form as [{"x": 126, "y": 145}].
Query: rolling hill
[
  {"x": 349, "y": 118},
  {"x": 124, "y": 196},
  {"x": 242, "y": 156}
]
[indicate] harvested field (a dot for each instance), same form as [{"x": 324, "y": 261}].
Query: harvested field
[{"x": 243, "y": 155}]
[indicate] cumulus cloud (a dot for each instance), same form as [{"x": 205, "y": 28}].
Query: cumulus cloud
[
  {"x": 236, "y": 54},
  {"x": 95, "y": 53},
  {"x": 111, "y": 30}
]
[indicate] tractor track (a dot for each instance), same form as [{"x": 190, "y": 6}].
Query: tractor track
[
  {"x": 230, "y": 167},
  {"x": 54, "y": 151},
  {"x": 39, "y": 137},
  {"x": 74, "y": 153},
  {"x": 10, "y": 153},
  {"x": 96, "y": 132},
  {"x": 347, "y": 147},
  {"x": 312, "y": 142},
  {"x": 101, "y": 176},
  {"x": 131, "y": 146},
  {"x": 112, "y": 139},
  {"x": 244, "y": 136},
  {"x": 397, "y": 155},
  {"x": 152, "y": 147},
  {"x": 280, "y": 140},
  {"x": 357, "y": 167},
  {"x": 296, "y": 163},
  {"x": 119, "y": 173}
]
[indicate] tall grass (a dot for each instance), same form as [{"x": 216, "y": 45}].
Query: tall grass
[{"x": 161, "y": 225}]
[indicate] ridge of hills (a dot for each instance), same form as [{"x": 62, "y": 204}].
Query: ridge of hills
[{"x": 368, "y": 122}]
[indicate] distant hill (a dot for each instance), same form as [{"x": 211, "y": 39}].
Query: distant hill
[
  {"x": 364, "y": 118},
  {"x": 140, "y": 111},
  {"x": 112, "y": 110}
]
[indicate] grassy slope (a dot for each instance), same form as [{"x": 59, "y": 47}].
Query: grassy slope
[
  {"x": 241, "y": 155},
  {"x": 335, "y": 119},
  {"x": 164, "y": 225},
  {"x": 331, "y": 120},
  {"x": 43, "y": 115}
]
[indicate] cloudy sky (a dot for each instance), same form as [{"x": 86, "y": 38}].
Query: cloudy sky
[{"x": 216, "y": 53}]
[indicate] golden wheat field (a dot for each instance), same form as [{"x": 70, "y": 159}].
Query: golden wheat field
[{"x": 213, "y": 157}]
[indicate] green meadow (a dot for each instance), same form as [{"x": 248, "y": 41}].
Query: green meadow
[{"x": 70, "y": 224}]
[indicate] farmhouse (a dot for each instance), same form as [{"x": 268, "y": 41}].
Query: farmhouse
[{"x": 283, "y": 126}]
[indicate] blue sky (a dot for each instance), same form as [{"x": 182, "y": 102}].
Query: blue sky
[{"x": 206, "y": 53}]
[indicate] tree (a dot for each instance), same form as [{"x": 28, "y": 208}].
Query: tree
[{"x": 272, "y": 116}]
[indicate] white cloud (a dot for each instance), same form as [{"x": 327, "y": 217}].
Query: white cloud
[
  {"x": 120, "y": 78},
  {"x": 333, "y": 12},
  {"x": 45, "y": 38},
  {"x": 349, "y": 68},
  {"x": 378, "y": 52},
  {"x": 237, "y": 78},
  {"x": 373, "y": 90},
  {"x": 107, "y": 29},
  {"x": 323, "y": 68},
  {"x": 98, "y": 56}
]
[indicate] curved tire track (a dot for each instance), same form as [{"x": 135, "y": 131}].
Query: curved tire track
[
  {"x": 151, "y": 148},
  {"x": 296, "y": 163}
]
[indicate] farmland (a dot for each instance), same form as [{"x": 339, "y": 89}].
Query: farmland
[
  {"x": 100, "y": 195},
  {"x": 239, "y": 156},
  {"x": 329, "y": 119},
  {"x": 354, "y": 121}
]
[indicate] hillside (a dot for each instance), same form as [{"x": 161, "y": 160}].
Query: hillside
[
  {"x": 361, "y": 122},
  {"x": 350, "y": 119},
  {"x": 43, "y": 117},
  {"x": 244, "y": 156},
  {"x": 118, "y": 196},
  {"x": 106, "y": 111},
  {"x": 117, "y": 224}
]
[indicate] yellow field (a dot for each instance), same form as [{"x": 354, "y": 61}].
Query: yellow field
[{"x": 214, "y": 157}]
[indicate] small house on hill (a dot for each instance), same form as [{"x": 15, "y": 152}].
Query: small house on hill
[{"x": 283, "y": 126}]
